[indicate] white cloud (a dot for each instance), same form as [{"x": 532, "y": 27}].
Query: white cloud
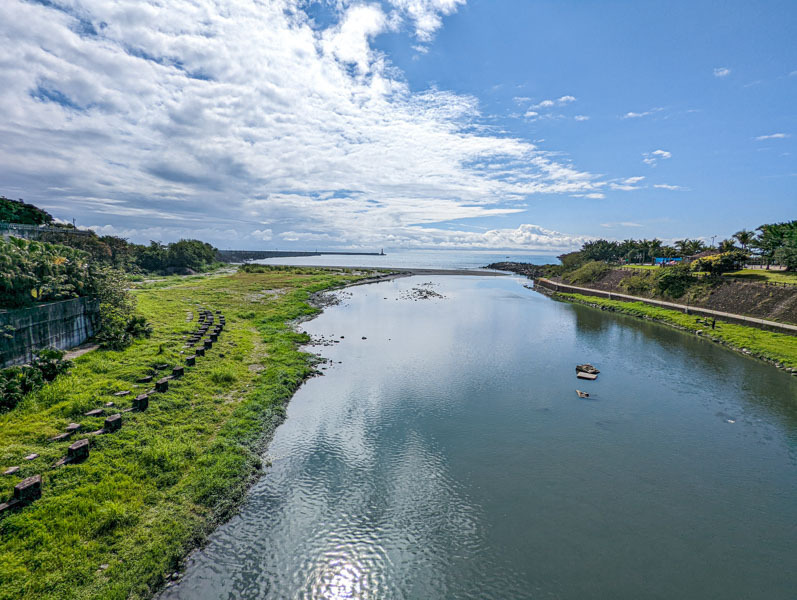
[
  {"x": 773, "y": 136},
  {"x": 551, "y": 103},
  {"x": 722, "y": 72},
  {"x": 530, "y": 114},
  {"x": 664, "y": 186},
  {"x": 621, "y": 224},
  {"x": 168, "y": 120},
  {"x": 652, "y": 158},
  {"x": 427, "y": 15},
  {"x": 639, "y": 115},
  {"x": 581, "y": 118}
]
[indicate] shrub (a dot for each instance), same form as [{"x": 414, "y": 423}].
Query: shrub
[
  {"x": 15, "y": 382},
  {"x": 674, "y": 281},
  {"x": 638, "y": 284},
  {"x": 717, "y": 264},
  {"x": 51, "y": 363},
  {"x": 588, "y": 273}
]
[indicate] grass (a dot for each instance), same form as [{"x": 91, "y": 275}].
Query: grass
[
  {"x": 114, "y": 525},
  {"x": 772, "y": 346},
  {"x": 762, "y": 275}
]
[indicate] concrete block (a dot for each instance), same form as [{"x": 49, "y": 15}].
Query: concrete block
[
  {"x": 162, "y": 385},
  {"x": 78, "y": 451},
  {"x": 208, "y": 344},
  {"x": 28, "y": 489},
  {"x": 146, "y": 379},
  {"x": 141, "y": 402},
  {"x": 178, "y": 372},
  {"x": 190, "y": 361},
  {"x": 200, "y": 352},
  {"x": 113, "y": 423},
  {"x": 97, "y": 412},
  {"x": 11, "y": 470}
]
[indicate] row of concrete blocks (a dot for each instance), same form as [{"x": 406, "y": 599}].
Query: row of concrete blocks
[{"x": 29, "y": 489}]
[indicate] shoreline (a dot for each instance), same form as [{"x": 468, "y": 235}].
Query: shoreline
[{"x": 649, "y": 313}]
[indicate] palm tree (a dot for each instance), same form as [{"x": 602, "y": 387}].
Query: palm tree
[
  {"x": 727, "y": 245},
  {"x": 744, "y": 237}
]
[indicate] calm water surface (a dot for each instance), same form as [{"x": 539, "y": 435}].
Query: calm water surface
[{"x": 448, "y": 456}]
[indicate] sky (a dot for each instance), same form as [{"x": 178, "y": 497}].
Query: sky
[{"x": 401, "y": 124}]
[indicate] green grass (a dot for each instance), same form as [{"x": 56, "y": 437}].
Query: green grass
[
  {"x": 642, "y": 267},
  {"x": 153, "y": 490},
  {"x": 762, "y": 275},
  {"x": 778, "y": 347}
]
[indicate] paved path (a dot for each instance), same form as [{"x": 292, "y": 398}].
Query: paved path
[{"x": 755, "y": 322}]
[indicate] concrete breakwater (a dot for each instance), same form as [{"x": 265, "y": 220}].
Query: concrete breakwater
[{"x": 60, "y": 325}]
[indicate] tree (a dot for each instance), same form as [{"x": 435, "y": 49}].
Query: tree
[
  {"x": 727, "y": 245},
  {"x": 786, "y": 255},
  {"x": 17, "y": 211},
  {"x": 744, "y": 237}
]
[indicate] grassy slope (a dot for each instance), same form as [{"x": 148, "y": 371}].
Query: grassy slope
[
  {"x": 778, "y": 347},
  {"x": 762, "y": 275},
  {"x": 152, "y": 490}
]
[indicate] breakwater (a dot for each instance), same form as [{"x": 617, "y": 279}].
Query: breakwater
[{"x": 238, "y": 256}]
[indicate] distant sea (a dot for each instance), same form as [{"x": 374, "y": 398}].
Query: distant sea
[{"x": 417, "y": 259}]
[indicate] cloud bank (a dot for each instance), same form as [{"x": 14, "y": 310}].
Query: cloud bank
[{"x": 244, "y": 124}]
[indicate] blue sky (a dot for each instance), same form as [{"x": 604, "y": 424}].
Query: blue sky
[{"x": 510, "y": 124}]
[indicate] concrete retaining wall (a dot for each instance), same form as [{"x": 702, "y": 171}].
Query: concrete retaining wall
[
  {"x": 689, "y": 310},
  {"x": 60, "y": 325}
]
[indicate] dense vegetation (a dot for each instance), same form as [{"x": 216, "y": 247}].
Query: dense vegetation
[
  {"x": 177, "y": 257},
  {"x": 774, "y": 242},
  {"x": 17, "y": 382},
  {"x": 17, "y": 211},
  {"x": 115, "y": 525}
]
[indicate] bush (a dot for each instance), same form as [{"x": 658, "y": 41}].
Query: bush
[
  {"x": 588, "y": 273},
  {"x": 51, "y": 363},
  {"x": 639, "y": 284},
  {"x": 674, "y": 281},
  {"x": 15, "y": 382},
  {"x": 717, "y": 264}
]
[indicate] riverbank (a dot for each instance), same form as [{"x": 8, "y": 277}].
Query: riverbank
[
  {"x": 777, "y": 349},
  {"x": 119, "y": 523}
]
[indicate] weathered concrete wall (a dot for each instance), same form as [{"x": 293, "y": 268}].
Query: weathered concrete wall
[{"x": 59, "y": 325}]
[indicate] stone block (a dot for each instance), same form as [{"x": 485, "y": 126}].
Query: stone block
[
  {"x": 97, "y": 412},
  {"x": 121, "y": 394},
  {"x": 200, "y": 352},
  {"x": 162, "y": 385},
  {"x": 146, "y": 379},
  {"x": 11, "y": 470},
  {"x": 162, "y": 366},
  {"x": 214, "y": 337},
  {"x": 61, "y": 436},
  {"x": 190, "y": 361},
  {"x": 178, "y": 372},
  {"x": 141, "y": 402},
  {"x": 113, "y": 423},
  {"x": 78, "y": 451},
  {"x": 33, "y": 456},
  {"x": 72, "y": 427},
  {"x": 28, "y": 489},
  {"x": 208, "y": 344}
]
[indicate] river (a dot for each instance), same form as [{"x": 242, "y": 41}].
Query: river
[{"x": 445, "y": 454}]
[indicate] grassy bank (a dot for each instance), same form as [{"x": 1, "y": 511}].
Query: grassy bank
[
  {"x": 778, "y": 348},
  {"x": 113, "y": 526}
]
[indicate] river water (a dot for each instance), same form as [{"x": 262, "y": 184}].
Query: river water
[{"x": 447, "y": 455}]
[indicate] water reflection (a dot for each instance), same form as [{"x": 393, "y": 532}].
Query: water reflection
[{"x": 448, "y": 456}]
